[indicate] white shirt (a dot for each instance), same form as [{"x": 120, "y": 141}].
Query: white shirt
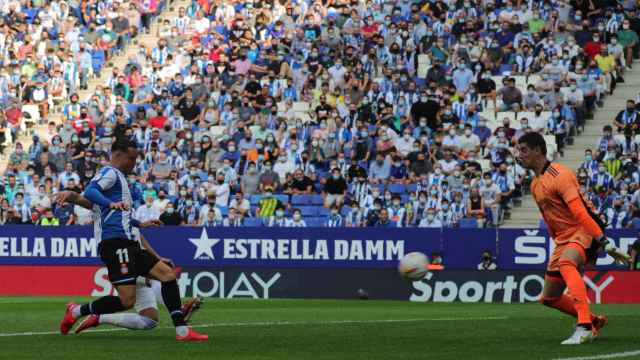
[
  {"x": 160, "y": 205},
  {"x": 222, "y": 194},
  {"x": 83, "y": 216},
  {"x": 293, "y": 223},
  {"x": 435, "y": 223},
  {"x": 146, "y": 213},
  {"x": 244, "y": 204},
  {"x": 469, "y": 143}
]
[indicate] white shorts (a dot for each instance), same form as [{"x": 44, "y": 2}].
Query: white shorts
[{"x": 145, "y": 297}]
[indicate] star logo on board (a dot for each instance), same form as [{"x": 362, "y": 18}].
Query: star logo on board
[{"x": 204, "y": 246}]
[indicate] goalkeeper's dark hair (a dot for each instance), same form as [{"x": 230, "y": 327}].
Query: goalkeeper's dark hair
[
  {"x": 122, "y": 145},
  {"x": 534, "y": 140}
]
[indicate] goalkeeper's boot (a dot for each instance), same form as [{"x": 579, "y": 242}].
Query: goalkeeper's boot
[
  {"x": 89, "y": 322},
  {"x": 580, "y": 336},
  {"x": 69, "y": 320}
]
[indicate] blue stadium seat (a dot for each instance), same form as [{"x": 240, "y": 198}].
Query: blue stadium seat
[
  {"x": 255, "y": 199},
  {"x": 224, "y": 211},
  {"x": 314, "y": 221},
  {"x": 468, "y": 223},
  {"x": 300, "y": 200},
  {"x": 283, "y": 198},
  {"x": 412, "y": 187},
  {"x": 396, "y": 188},
  {"x": 345, "y": 210},
  {"x": 309, "y": 210},
  {"x": 252, "y": 221},
  {"x": 542, "y": 224},
  {"x": 404, "y": 198},
  {"x": 316, "y": 199},
  {"x": 323, "y": 211}
]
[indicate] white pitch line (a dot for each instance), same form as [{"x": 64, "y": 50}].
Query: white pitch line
[
  {"x": 277, "y": 323},
  {"x": 605, "y": 356}
]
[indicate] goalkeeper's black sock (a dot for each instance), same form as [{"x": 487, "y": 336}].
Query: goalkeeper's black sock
[
  {"x": 104, "y": 305},
  {"x": 171, "y": 298}
]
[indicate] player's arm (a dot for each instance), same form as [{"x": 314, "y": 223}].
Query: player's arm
[
  {"x": 73, "y": 198},
  {"x": 96, "y": 188},
  {"x": 580, "y": 212}
]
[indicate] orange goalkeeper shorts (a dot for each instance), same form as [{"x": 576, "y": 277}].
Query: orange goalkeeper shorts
[{"x": 579, "y": 237}]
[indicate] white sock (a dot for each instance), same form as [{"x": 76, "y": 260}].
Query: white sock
[
  {"x": 157, "y": 290},
  {"x": 128, "y": 321},
  {"x": 182, "y": 330},
  {"x": 76, "y": 311}
]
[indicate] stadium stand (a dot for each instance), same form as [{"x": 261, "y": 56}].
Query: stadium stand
[{"x": 305, "y": 114}]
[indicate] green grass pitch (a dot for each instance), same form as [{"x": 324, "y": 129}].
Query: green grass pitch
[{"x": 312, "y": 329}]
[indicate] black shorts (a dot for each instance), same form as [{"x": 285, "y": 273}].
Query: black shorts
[{"x": 125, "y": 260}]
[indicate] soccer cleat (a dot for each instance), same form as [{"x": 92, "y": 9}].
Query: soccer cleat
[
  {"x": 69, "y": 320},
  {"x": 191, "y": 307},
  {"x": 581, "y": 336},
  {"x": 599, "y": 322},
  {"x": 89, "y": 322},
  {"x": 192, "y": 336}
]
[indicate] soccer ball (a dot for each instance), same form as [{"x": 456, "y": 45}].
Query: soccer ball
[{"x": 413, "y": 266}]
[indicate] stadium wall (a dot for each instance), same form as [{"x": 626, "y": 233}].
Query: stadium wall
[{"x": 308, "y": 263}]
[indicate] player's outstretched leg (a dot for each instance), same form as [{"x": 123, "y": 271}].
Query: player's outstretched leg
[
  {"x": 130, "y": 321},
  {"x": 188, "y": 308},
  {"x": 171, "y": 299},
  {"x": 103, "y": 305}
]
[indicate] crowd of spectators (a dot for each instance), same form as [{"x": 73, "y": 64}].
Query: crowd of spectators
[{"x": 333, "y": 113}]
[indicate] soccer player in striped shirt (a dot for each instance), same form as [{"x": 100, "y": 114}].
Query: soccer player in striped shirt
[{"x": 126, "y": 255}]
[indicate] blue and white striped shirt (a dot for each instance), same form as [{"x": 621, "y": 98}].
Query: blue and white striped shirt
[{"x": 110, "y": 224}]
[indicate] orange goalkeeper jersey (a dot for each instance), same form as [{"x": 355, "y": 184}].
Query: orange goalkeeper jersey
[{"x": 552, "y": 191}]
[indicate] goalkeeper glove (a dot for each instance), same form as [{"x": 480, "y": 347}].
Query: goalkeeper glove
[{"x": 610, "y": 248}]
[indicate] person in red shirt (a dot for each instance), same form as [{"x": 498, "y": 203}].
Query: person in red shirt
[
  {"x": 370, "y": 27},
  {"x": 159, "y": 120},
  {"x": 84, "y": 118},
  {"x": 593, "y": 47}
]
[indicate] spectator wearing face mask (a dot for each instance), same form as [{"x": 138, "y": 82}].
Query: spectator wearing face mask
[
  {"x": 617, "y": 216},
  {"x": 487, "y": 263},
  {"x": 335, "y": 189},
  {"x": 334, "y": 219},
  {"x": 170, "y": 216},
  {"x": 147, "y": 211},
  {"x": 278, "y": 218},
  {"x": 430, "y": 220},
  {"x": 384, "y": 221},
  {"x": 379, "y": 170},
  {"x": 490, "y": 194},
  {"x": 296, "y": 219}
]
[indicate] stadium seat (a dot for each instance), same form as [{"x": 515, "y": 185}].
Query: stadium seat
[
  {"x": 315, "y": 221},
  {"x": 316, "y": 199},
  {"x": 224, "y": 211},
  {"x": 282, "y": 197},
  {"x": 396, "y": 188},
  {"x": 345, "y": 210},
  {"x": 252, "y": 221},
  {"x": 323, "y": 211},
  {"x": 300, "y": 200},
  {"x": 412, "y": 187},
  {"x": 308, "y": 210},
  {"x": 255, "y": 199},
  {"x": 468, "y": 223}
]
